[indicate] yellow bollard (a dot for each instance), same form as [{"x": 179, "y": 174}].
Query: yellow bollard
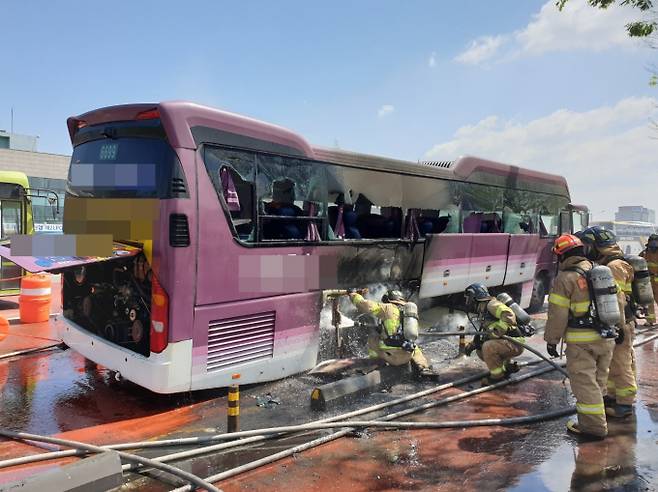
[
  {"x": 462, "y": 342},
  {"x": 233, "y": 411}
]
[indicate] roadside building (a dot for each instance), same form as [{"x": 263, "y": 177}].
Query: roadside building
[{"x": 635, "y": 213}]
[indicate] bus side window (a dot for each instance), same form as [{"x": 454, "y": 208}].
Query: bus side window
[
  {"x": 578, "y": 221},
  {"x": 548, "y": 224},
  {"x": 11, "y": 218},
  {"x": 367, "y": 204},
  {"x": 292, "y": 199},
  {"x": 520, "y": 212},
  {"x": 233, "y": 175},
  {"x": 481, "y": 209}
]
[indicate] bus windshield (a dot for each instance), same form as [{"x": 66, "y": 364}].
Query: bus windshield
[{"x": 120, "y": 160}]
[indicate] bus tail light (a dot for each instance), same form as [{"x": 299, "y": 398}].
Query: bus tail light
[
  {"x": 150, "y": 114},
  {"x": 159, "y": 317}
]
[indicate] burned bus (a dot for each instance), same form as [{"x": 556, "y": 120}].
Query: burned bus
[{"x": 227, "y": 231}]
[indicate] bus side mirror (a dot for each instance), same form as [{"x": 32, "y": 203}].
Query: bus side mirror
[{"x": 565, "y": 222}]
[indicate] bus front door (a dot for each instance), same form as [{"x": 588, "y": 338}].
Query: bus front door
[{"x": 11, "y": 222}]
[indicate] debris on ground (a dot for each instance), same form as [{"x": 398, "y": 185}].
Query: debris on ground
[{"x": 267, "y": 401}]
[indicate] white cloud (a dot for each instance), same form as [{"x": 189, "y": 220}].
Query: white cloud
[
  {"x": 385, "y": 110},
  {"x": 432, "y": 61},
  {"x": 577, "y": 27},
  {"x": 481, "y": 49},
  {"x": 608, "y": 154}
]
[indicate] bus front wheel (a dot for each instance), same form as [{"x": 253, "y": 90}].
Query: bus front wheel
[{"x": 538, "y": 294}]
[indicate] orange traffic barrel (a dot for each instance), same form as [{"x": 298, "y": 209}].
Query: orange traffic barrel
[
  {"x": 34, "y": 301},
  {"x": 4, "y": 330}
]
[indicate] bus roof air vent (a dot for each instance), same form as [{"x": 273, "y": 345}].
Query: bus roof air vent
[{"x": 441, "y": 164}]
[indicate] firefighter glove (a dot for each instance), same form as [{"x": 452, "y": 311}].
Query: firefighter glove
[
  {"x": 408, "y": 346},
  {"x": 551, "y": 348},
  {"x": 620, "y": 336}
]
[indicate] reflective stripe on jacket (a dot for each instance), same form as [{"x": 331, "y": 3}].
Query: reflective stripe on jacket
[{"x": 569, "y": 296}]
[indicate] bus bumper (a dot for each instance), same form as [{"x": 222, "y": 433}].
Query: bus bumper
[{"x": 166, "y": 372}]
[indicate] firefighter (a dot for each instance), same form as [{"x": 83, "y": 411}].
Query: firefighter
[
  {"x": 601, "y": 246},
  {"x": 651, "y": 255},
  {"x": 497, "y": 320},
  {"x": 390, "y": 344},
  {"x": 588, "y": 353}
]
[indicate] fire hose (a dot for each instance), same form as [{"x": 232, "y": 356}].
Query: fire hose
[
  {"x": 126, "y": 456},
  {"x": 256, "y": 435}
]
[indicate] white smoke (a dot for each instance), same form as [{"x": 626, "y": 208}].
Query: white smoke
[{"x": 441, "y": 319}]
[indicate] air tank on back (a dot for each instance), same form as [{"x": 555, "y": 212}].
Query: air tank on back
[
  {"x": 642, "y": 292},
  {"x": 522, "y": 317},
  {"x": 605, "y": 295},
  {"x": 410, "y": 321}
]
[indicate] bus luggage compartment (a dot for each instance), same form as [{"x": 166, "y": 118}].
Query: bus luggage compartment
[{"x": 453, "y": 261}]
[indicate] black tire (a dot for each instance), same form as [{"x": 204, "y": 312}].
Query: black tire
[{"x": 538, "y": 295}]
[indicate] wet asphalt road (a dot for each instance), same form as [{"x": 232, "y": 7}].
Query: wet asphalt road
[{"x": 59, "y": 392}]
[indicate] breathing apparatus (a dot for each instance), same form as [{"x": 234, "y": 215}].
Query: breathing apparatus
[
  {"x": 523, "y": 319},
  {"x": 641, "y": 292}
]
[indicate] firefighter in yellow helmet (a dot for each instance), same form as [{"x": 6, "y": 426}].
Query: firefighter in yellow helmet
[
  {"x": 588, "y": 353},
  {"x": 601, "y": 246},
  {"x": 390, "y": 344},
  {"x": 498, "y": 319},
  {"x": 651, "y": 255}
]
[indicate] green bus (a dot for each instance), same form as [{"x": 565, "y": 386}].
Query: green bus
[{"x": 16, "y": 218}]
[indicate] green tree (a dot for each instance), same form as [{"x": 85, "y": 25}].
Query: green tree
[{"x": 637, "y": 29}]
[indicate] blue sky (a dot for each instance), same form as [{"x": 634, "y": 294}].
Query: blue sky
[{"x": 401, "y": 79}]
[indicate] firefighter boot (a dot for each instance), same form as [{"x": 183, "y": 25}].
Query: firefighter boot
[
  {"x": 489, "y": 380},
  {"x": 619, "y": 411},
  {"x": 572, "y": 427},
  {"x": 428, "y": 373},
  {"x": 511, "y": 367}
]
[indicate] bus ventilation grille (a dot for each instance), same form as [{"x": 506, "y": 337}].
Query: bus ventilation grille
[
  {"x": 178, "y": 186},
  {"x": 234, "y": 341},
  {"x": 442, "y": 164},
  {"x": 179, "y": 231}
]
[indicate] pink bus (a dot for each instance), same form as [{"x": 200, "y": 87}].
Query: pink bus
[{"x": 250, "y": 223}]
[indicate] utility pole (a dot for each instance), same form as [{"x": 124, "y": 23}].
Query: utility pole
[{"x": 12, "y": 119}]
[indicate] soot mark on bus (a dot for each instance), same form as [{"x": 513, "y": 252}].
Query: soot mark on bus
[{"x": 354, "y": 266}]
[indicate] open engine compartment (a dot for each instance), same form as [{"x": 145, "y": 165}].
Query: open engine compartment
[{"x": 111, "y": 299}]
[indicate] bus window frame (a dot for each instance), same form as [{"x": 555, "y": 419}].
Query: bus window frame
[{"x": 284, "y": 243}]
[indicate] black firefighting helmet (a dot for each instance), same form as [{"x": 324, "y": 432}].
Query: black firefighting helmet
[
  {"x": 394, "y": 297},
  {"x": 598, "y": 236},
  {"x": 475, "y": 293},
  {"x": 652, "y": 243}
]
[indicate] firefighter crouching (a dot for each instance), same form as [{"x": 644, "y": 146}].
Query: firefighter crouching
[
  {"x": 393, "y": 343},
  {"x": 588, "y": 350},
  {"x": 496, "y": 319},
  {"x": 601, "y": 246},
  {"x": 650, "y": 254}
]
